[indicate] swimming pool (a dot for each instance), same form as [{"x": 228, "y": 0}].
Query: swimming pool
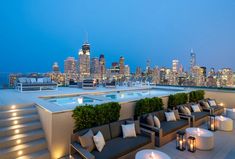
[
  {"x": 76, "y": 100},
  {"x": 116, "y": 96}
]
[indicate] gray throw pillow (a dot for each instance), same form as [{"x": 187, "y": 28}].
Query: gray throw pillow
[
  {"x": 149, "y": 120},
  {"x": 137, "y": 125},
  {"x": 86, "y": 141}
]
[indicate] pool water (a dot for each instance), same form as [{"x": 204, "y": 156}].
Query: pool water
[{"x": 77, "y": 100}]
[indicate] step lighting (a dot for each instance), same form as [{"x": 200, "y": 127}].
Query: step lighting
[
  {"x": 15, "y": 122},
  {"x": 13, "y": 107},
  {"x": 20, "y": 152},
  {"x": 18, "y": 141},
  {"x": 17, "y": 131},
  {"x": 14, "y": 114}
]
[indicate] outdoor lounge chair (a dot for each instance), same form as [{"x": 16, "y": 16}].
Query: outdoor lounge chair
[
  {"x": 168, "y": 129},
  {"x": 115, "y": 145},
  {"x": 197, "y": 118}
]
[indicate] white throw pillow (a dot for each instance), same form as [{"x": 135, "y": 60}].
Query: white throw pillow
[
  {"x": 187, "y": 110},
  {"x": 170, "y": 116},
  {"x": 128, "y": 130},
  {"x": 157, "y": 122},
  {"x": 99, "y": 141},
  {"x": 212, "y": 102},
  {"x": 196, "y": 108}
]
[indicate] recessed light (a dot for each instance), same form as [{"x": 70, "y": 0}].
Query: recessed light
[
  {"x": 18, "y": 141},
  {"x": 14, "y": 114},
  {"x": 15, "y": 122},
  {"x": 13, "y": 107},
  {"x": 20, "y": 152},
  {"x": 17, "y": 131}
]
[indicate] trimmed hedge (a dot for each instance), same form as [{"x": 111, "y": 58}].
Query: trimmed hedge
[
  {"x": 148, "y": 105},
  {"x": 177, "y": 99},
  {"x": 90, "y": 116},
  {"x": 195, "y": 96}
]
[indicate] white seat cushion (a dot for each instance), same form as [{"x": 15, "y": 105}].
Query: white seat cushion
[
  {"x": 196, "y": 108},
  {"x": 99, "y": 141},
  {"x": 170, "y": 116},
  {"x": 128, "y": 130}
]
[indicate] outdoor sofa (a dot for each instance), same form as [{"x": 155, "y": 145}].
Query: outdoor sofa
[
  {"x": 116, "y": 147},
  {"x": 167, "y": 130},
  {"x": 215, "y": 109},
  {"x": 197, "y": 118},
  {"x": 35, "y": 84}
]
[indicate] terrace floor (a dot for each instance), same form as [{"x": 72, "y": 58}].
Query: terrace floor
[{"x": 224, "y": 148}]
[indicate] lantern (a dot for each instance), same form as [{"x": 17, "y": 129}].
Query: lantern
[
  {"x": 211, "y": 123},
  {"x": 191, "y": 144},
  {"x": 180, "y": 140}
]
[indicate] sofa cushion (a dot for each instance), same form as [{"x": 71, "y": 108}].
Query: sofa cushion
[
  {"x": 128, "y": 130},
  {"x": 157, "y": 122},
  {"x": 149, "y": 120},
  {"x": 170, "y": 116},
  {"x": 177, "y": 116},
  {"x": 86, "y": 141},
  {"x": 137, "y": 125},
  {"x": 104, "y": 129},
  {"x": 171, "y": 126},
  {"x": 121, "y": 147},
  {"x": 116, "y": 129},
  {"x": 99, "y": 141},
  {"x": 196, "y": 108},
  {"x": 199, "y": 115},
  {"x": 212, "y": 102},
  {"x": 161, "y": 115}
]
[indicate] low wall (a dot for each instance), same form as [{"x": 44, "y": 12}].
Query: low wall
[{"x": 59, "y": 126}]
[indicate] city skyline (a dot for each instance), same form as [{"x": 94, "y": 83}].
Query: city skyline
[{"x": 37, "y": 35}]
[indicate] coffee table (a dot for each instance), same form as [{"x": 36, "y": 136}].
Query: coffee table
[
  {"x": 224, "y": 123},
  {"x": 151, "y": 154},
  {"x": 230, "y": 113},
  {"x": 204, "y": 138}
]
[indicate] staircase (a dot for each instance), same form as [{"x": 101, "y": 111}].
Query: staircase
[{"x": 21, "y": 133}]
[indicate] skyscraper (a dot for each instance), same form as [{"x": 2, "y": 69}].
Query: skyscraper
[
  {"x": 84, "y": 61},
  {"x": 175, "y": 66},
  {"x": 121, "y": 65},
  {"x": 95, "y": 70},
  {"x": 70, "y": 69},
  {"x": 192, "y": 60},
  {"x": 55, "y": 67},
  {"x": 102, "y": 67},
  {"x": 126, "y": 71}
]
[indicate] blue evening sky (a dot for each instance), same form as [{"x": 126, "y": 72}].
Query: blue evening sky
[{"x": 36, "y": 33}]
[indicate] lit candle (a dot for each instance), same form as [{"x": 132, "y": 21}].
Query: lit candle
[
  {"x": 152, "y": 156},
  {"x": 191, "y": 147},
  {"x": 181, "y": 144}
]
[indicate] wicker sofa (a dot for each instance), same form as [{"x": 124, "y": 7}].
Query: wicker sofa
[
  {"x": 116, "y": 146},
  {"x": 216, "y": 110},
  {"x": 167, "y": 131},
  {"x": 197, "y": 118}
]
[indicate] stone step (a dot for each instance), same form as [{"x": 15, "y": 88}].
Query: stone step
[
  {"x": 21, "y": 138},
  {"x": 43, "y": 154},
  {"x": 17, "y": 112},
  {"x": 16, "y": 106},
  {"x": 20, "y": 128},
  {"x": 23, "y": 149},
  {"x": 18, "y": 120}
]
